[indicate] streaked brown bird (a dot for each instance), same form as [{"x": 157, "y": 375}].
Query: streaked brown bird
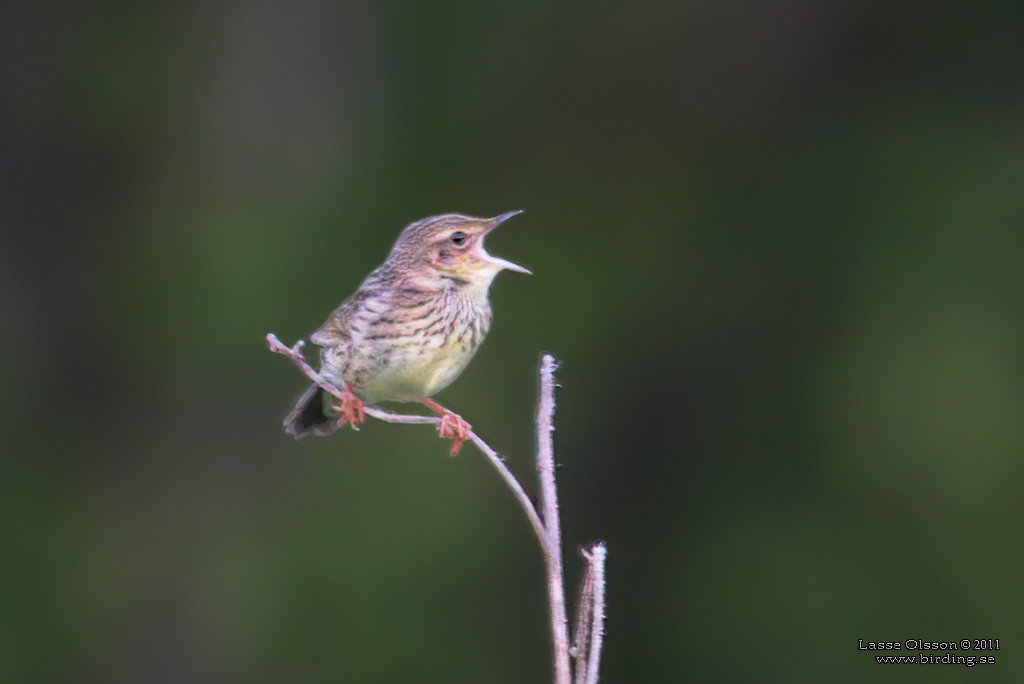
[{"x": 410, "y": 329}]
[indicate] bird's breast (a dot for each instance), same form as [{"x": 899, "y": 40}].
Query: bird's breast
[{"x": 417, "y": 352}]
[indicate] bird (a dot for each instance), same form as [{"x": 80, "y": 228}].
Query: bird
[{"x": 410, "y": 328}]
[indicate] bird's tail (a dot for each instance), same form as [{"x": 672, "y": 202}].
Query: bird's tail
[{"x": 309, "y": 417}]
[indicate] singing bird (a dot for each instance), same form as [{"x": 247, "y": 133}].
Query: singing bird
[{"x": 410, "y": 329}]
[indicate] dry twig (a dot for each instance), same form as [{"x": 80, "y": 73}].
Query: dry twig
[{"x": 589, "y": 629}]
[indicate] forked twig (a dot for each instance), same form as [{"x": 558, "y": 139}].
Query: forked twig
[{"x": 589, "y": 630}]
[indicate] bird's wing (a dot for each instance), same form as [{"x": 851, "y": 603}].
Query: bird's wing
[
  {"x": 335, "y": 330},
  {"x": 348, "y": 323},
  {"x": 338, "y": 329}
]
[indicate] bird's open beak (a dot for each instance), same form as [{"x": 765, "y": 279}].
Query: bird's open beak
[
  {"x": 497, "y": 261},
  {"x": 501, "y": 218},
  {"x": 509, "y": 266}
]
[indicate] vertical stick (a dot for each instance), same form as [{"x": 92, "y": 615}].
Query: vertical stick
[
  {"x": 594, "y": 595},
  {"x": 549, "y": 515}
]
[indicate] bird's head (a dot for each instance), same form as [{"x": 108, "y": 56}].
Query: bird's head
[{"x": 451, "y": 246}]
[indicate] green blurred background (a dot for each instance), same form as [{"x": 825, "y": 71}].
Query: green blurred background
[{"x": 776, "y": 245}]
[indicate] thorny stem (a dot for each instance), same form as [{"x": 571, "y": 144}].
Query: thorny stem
[
  {"x": 549, "y": 513},
  {"x": 590, "y": 624}
]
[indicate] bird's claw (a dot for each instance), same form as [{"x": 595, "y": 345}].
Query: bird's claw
[
  {"x": 349, "y": 408},
  {"x": 454, "y": 427}
]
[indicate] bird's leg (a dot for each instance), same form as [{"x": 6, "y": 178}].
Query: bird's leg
[
  {"x": 452, "y": 426},
  {"x": 349, "y": 407}
]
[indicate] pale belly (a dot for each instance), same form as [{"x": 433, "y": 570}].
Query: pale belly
[{"x": 415, "y": 374}]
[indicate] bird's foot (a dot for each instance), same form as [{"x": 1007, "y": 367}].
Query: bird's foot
[
  {"x": 452, "y": 426},
  {"x": 349, "y": 408}
]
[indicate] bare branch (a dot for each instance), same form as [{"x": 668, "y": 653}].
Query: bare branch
[
  {"x": 401, "y": 418},
  {"x": 513, "y": 484},
  {"x": 295, "y": 354}
]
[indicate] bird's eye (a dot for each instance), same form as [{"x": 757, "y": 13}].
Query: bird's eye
[{"x": 459, "y": 238}]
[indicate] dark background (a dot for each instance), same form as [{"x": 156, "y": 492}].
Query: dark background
[{"x": 777, "y": 247}]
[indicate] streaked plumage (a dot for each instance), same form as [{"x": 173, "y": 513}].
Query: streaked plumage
[{"x": 413, "y": 325}]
